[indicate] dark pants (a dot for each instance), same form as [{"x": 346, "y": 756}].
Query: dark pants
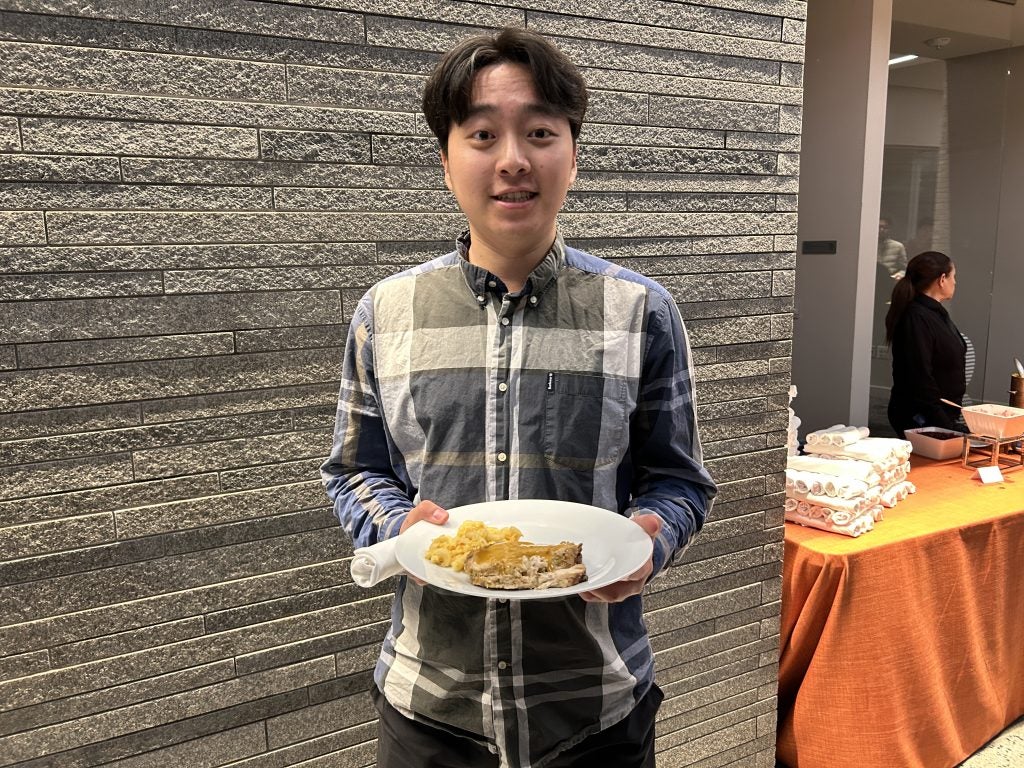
[{"x": 405, "y": 743}]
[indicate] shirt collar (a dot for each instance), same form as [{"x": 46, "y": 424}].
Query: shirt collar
[
  {"x": 931, "y": 303},
  {"x": 482, "y": 281}
]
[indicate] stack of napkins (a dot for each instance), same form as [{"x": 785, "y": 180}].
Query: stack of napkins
[{"x": 846, "y": 479}]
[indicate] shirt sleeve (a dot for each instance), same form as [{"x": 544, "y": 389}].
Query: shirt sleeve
[
  {"x": 364, "y": 476},
  {"x": 669, "y": 476}
]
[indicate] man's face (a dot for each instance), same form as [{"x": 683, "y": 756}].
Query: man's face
[
  {"x": 510, "y": 163},
  {"x": 883, "y": 229}
]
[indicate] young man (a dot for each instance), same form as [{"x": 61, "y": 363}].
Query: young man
[
  {"x": 891, "y": 253},
  {"x": 516, "y": 367}
]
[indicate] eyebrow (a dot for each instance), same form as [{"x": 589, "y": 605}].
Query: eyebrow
[{"x": 534, "y": 108}]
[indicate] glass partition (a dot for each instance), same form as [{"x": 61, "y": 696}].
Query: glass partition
[{"x": 943, "y": 187}]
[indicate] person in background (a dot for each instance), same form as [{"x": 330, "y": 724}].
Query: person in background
[
  {"x": 891, "y": 253},
  {"x": 923, "y": 237},
  {"x": 928, "y": 351},
  {"x": 516, "y": 367}
]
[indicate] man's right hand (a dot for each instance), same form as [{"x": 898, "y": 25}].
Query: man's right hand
[{"x": 425, "y": 510}]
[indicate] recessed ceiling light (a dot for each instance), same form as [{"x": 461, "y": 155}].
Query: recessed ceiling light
[{"x": 901, "y": 59}]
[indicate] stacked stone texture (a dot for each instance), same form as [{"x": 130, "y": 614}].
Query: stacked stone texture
[{"x": 192, "y": 198}]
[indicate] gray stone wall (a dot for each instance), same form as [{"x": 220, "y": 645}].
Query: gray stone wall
[{"x": 192, "y": 197}]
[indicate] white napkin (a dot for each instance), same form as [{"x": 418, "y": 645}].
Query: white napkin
[{"x": 372, "y": 565}]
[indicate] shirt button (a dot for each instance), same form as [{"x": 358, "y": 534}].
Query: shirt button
[
  {"x": 533, "y": 299},
  {"x": 502, "y": 456},
  {"x": 502, "y": 665},
  {"x": 503, "y": 387},
  {"x": 480, "y": 297},
  {"x": 504, "y": 321},
  {"x": 492, "y": 283}
]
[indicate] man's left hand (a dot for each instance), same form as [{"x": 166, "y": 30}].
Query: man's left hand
[{"x": 634, "y": 583}]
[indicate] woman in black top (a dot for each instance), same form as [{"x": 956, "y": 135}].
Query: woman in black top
[{"x": 927, "y": 349}]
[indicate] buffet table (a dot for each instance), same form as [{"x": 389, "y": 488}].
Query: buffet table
[{"x": 905, "y": 646}]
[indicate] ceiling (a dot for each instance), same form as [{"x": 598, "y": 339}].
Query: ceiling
[{"x": 971, "y": 26}]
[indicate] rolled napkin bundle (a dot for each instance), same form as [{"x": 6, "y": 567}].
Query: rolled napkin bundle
[
  {"x": 843, "y": 516},
  {"x": 847, "y": 488},
  {"x": 819, "y": 512},
  {"x": 873, "y": 449},
  {"x": 870, "y": 448},
  {"x": 855, "y": 506},
  {"x": 837, "y": 435},
  {"x": 815, "y": 436},
  {"x": 900, "y": 448},
  {"x": 847, "y": 435},
  {"x": 820, "y": 435},
  {"x": 839, "y": 467},
  {"x": 372, "y": 565},
  {"x": 805, "y": 482},
  {"x": 890, "y": 498},
  {"x": 854, "y": 528},
  {"x": 801, "y": 483},
  {"x": 895, "y": 475},
  {"x": 897, "y": 493},
  {"x": 880, "y": 460}
]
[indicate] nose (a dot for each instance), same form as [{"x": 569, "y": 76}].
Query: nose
[{"x": 513, "y": 158}]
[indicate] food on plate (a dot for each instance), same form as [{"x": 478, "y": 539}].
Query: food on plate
[
  {"x": 522, "y": 565},
  {"x": 452, "y": 551},
  {"x": 939, "y": 434},
  {"x": 496, "y": 558}
]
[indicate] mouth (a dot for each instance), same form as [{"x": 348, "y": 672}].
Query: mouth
[{"x": 515, "y": 197}]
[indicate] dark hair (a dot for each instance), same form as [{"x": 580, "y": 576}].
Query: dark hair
[
  {"x": 922, "y": 270},
  {"x": 447, "y": 94}
]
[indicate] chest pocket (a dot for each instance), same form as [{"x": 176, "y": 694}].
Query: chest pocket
[{"x": 585, "y": 420}]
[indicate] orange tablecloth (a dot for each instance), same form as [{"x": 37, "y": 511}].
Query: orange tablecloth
[{"x": 905, "y": 647}]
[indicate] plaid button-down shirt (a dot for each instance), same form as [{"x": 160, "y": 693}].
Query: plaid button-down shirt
[{"x": 577, "y": 388}]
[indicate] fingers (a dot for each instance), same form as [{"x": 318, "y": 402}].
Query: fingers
[
  {"x": 634, "y": 583},
  {"x": 651, "y": 523},
  {"x": 614, "y": 593},
  {"x": 425, "y": 510}
]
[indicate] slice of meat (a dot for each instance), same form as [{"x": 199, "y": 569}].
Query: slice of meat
[{"x": 522, "y": 565}]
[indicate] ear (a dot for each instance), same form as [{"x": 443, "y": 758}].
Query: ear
[
  {"x": 572, "y": 175},
  {"x": 447, "y": 177}
]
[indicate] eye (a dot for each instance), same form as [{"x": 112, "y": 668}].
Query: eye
[
  {"x": 481, "y": 135},
  {"x": 542, "y": 133}
]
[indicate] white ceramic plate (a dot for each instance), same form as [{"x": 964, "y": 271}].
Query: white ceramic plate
[{"x": 613, "y": 546}]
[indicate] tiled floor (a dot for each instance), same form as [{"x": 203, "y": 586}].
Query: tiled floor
[{"x": 1004, "y": 751}]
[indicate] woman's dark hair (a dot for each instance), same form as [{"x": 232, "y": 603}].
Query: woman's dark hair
[
  {"x": 449, "y": 89},
  {"x": 922, "y": 270}
]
